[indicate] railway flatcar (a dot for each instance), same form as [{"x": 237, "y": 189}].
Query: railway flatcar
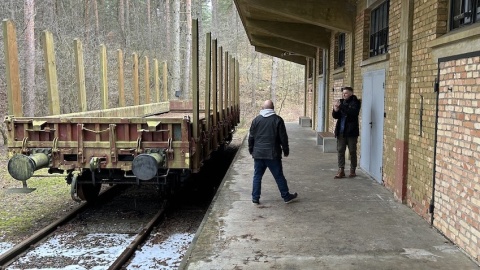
[
  {"x": 156, "y": 144},
  {"x": 148, "y": 150}
]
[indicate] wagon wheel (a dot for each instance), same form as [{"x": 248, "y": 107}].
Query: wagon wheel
[{"x": 87, "y": 191}]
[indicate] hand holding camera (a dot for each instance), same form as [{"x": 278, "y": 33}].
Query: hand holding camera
[{"x": 336, "y": 105}]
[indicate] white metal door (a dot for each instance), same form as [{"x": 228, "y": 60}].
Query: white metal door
[
  {"x": 373, "y": 113},
  {"x": 320, "y": 105}
]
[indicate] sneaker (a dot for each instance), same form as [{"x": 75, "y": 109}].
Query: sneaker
[
  {"x": 291, "y": 197},
  {"x": 256, "y": 202}
]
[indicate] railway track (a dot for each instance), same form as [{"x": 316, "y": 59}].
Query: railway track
[
  {"x": 13, "y": 255},
  {"x": 10, "y": 255},
  {"x": 133, "y": 215}
]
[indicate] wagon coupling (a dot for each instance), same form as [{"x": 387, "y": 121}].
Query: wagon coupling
[
  {"x": 145, "y": 166},
  {"x": 22, "y": 167}
]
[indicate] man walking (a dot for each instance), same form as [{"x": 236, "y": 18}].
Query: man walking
[
  {"x": 266, "y": 141},
  {"x": 346, "y": 112}
]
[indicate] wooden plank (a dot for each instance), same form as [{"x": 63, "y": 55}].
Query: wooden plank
[
  {"x": 231, "y": 84},
  {"x": 208, "y": 77},
  {"x": 103, "y": 76},
  {"x": 214, "y": 94},
  {"x": 130, "y": 111},
  {"x": 80, "y": 68},
  {"x": 208, "y": 89},
  {"x": 51, "y": 73},
  {"x": 165, "y": 81},
  {"x": 14, "y": 92},
  {"x": 226, "y": 84},
  {"x": 147, "y": 81},
  {"x": 121, "y": 83},
  {"x": 156, "y": 78},
  {"x": 237, "y": 88},
  {"x": 195, "y": 90},
  {"x": 220, "y": 94},
  {"x": 136, "y": 92}
]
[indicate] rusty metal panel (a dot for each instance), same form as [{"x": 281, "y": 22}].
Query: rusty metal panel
[{"x": 114, "y": 141}]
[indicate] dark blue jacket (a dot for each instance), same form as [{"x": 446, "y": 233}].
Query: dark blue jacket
[
  {"x": 268, "y": 137},
  {"x": 351, "y": 109}
]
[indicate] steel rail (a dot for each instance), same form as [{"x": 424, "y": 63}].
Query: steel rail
[
  {"x": 139, "y": 239},
  {"x": 9, "y": 256}
]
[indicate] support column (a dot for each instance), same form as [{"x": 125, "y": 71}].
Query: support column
[
  {"x": 315, "y": 89},
  {"x": 403, "y": 103},
  {"x": 326, "y": 87},
  {"x": 307, "y": 69}
]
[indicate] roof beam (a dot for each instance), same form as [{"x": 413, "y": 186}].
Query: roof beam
[
  {"x": 301, "y": 60},
  {"x": 335, "y": 15},
  {"x": 284, "y": 45},
  {"x": 299, "y": 32}
]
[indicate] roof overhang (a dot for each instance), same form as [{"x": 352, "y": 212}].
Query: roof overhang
[{"x": 294, "y": 28}]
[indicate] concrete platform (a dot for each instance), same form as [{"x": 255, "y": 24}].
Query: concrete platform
[{"x": 334, "y": 224}]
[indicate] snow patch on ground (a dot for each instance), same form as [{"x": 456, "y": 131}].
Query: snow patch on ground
[
  {"x": 98, "y": 251},
  {"x": 4, "y": 246},
  {"x": 167, "y": 255}
]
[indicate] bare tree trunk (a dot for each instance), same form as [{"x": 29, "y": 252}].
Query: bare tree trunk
[
  {"x": 149, "y": 25},
  {"x": 29, "y": 9},
  {"x": 121, "y": 21},
  {"x": 97, "y": 21},
  {"x": 273, "y": 80},
  {"x": 214, "y": 18},
  {"x": 127, "y": 22},
  {"x": 167, "y": 14},
  {"x": 257, "y": 81},
  {"x": 4, "y": 135},
  {"x": 86, "y": 21},
  {"x": 12, "y": 10},
  {"x": 176, "y": 47},
  {"x": 186, "y": 75}
]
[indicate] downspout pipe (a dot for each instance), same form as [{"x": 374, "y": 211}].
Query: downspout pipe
[{"x": 432, "y": 200}]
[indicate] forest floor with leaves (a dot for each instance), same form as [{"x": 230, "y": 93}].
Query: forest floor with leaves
[{"x": 21, "y": 214}]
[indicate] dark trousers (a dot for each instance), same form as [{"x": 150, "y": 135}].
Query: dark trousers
[
  {"x": 342, "y": 143},
  {"x": 276, "y": 168}
]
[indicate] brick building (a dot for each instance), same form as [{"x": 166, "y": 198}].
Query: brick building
[{"x": 416, "y": 66}]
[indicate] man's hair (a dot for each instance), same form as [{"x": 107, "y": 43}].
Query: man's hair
[{"x": 348, "y": 88}]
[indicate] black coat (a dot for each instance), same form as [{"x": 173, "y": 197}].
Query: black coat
[
  {"x": 350, "y": 108},
  {"x": 268, "y": 137}
]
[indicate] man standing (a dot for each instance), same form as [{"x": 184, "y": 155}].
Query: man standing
[
  {"x": 346, "y": 112},
  {"x": 266, "y": 140}
]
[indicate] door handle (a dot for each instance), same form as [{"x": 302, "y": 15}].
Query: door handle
[{"x": 371, "y": 124}]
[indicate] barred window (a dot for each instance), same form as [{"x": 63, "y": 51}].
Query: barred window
[
  {"x": 379, "y": 29},
  {"x": 341, "y": 50},
  {"x": 464, "y": 12}
]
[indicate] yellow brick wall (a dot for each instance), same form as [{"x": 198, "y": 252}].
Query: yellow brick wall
[
  {"x": 457, "y": 203},
  {"x": 428, "y": 22},
  {"x": 391, "y": 96},
  {"x": 457, "y": 181},
  {"x": 334, "y": 91}
]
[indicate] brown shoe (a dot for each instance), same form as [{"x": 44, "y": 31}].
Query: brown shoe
[
  {"x": 340, "y": 173},
  {"x": 352, "y": 173}
]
